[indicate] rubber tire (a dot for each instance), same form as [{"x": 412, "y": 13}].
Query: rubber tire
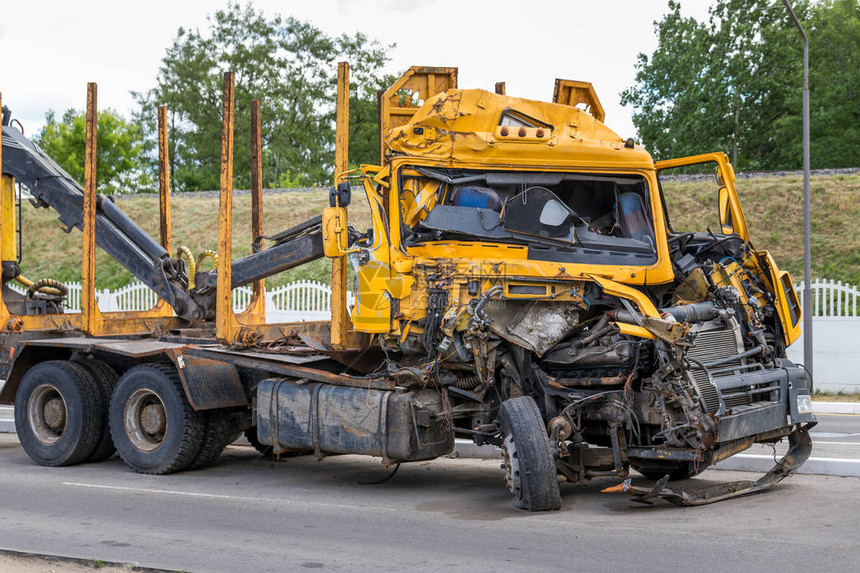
[
  {"x": 83, "y": 404},
  {"x": 262, "y": 449},
  {"x": 218, "y": 432},
  {"x": 522, "y": 421},
  {"x": 106, "y": 379},
  {"x": 675, "y": 470},
  {"x": 183, "y": 437}
]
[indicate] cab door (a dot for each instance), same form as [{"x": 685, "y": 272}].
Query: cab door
[
  {"x": 727, "y": 206},
  {"x": 729, "y": 220},
  {"x": 371, "y": 311}
]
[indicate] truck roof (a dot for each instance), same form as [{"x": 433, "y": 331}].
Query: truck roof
[{"x": 478, "y": 126}]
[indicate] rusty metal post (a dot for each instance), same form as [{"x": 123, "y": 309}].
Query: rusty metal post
[
  {"x": 4, "y": 313},
  {"x": 88, "y": 268},
  {"x": 380, "y": 112},
  {"x": 223, "y": 300},
  {"x": 164, "y": 180},
  {"x": 500, "y": 88},
  {"x": 259, "y": 296},
  {"x": 339, "y": 315}
]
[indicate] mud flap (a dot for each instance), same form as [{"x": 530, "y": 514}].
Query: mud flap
[{"x": 800, "y": 447}]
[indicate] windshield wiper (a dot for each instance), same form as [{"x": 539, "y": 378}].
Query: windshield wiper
[{"x": 438, "y": 176}]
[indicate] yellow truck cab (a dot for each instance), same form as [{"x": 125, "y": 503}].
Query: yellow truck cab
[{"x": 523, "y": 261}]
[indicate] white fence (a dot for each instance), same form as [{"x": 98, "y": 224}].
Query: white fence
[
  {"x": 836, "y": 336},
  {"x": 832, "y": 298},
  {"x": 836, "y": 323},
  {"x": 300, "y": 300}
]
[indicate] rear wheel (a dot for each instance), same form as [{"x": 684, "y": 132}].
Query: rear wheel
[
  {"x": 262, "y": 449},
  {"x": 153, "y": 426},
  {"x": 529, "y": 464},
  {"x": 58, "y": 413},
  {"x": 105, "y": 378},
  {"x": 218, "y": 433}
]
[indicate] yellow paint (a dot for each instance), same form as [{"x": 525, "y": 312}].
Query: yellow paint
[
  {"x": 9, "y": 214},
  {"x": 783, "y": 289},
  {"x": 334, "y": 231}
]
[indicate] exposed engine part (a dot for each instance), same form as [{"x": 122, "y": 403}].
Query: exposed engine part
[
  {"x": 535, "y": 325},
  {"x": 436, "y": 304}
]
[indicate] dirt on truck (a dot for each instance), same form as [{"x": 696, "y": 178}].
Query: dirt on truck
[{"x": 521, "y": 285}]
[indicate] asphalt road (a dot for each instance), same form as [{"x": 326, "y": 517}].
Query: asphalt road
[
  {"x": 249, "y": 514},
  {"x": 835, "y": 428},
  {"x": 835, "y": 437}
]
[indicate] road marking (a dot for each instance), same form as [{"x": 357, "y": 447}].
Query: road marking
[
  {"x": 823, "y": 442},
  {"x": 224, "y": 496}
]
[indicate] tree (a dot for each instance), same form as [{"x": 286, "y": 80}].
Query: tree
[
  {"x": 290, "y": 66},
  {"x": 120, "y": 152},
  {"x": 734, "y": 83},
  {"x": 834, "y": 32}
]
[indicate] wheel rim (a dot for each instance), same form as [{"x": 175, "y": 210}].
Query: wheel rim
[
  {"x": 145, "y": 420},
  {"x": 46, "y": 412},
  {"x": 512, "y": 468}
]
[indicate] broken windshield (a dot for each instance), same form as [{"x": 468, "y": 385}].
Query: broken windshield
[{"x": 575, "y": 217}]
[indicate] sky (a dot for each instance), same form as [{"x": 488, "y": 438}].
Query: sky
[{"x": 50, "y": 49}]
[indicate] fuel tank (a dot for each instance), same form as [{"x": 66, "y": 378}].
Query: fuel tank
[{"x": 395, "y": 425}]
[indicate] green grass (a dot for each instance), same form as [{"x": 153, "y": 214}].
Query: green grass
[
  {"x": 51, "y": 253},
  {"x": 773, "y": 207},
  {"x": 774, "y": 212},
  {"x": 836, "y": 396}
]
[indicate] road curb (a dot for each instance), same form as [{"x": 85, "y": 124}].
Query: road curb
[
  {"x": 740, "y": 462},
  {"x": 836, "y": 407},
  {"x": 820, "y": 466},
  {"x": 47, "y": 558},
  {"x": 467, "y": 449}
]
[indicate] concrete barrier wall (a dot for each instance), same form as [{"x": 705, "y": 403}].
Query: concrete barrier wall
[{"x": 836, "y": 353}]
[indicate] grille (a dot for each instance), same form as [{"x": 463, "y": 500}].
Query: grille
[{"x": 712, "y": 345}]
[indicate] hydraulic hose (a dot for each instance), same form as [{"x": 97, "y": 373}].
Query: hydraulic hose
[
  {"x": 46, "y": 286},
  {"x": 184, "y": 252},
  {"x": 207, "y": 253}
]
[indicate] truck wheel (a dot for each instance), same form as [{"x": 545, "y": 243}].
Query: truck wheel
[
  {"x": 58, "y": 413},
  {"x": 675, "y": 470},
  {"x": 262, "y": 449},
  {"x": 105, "y": 378},
  {"x": 218, "y": 432},
  {"x": 154, "y": 429},
  {"x": 529, "y": 465}
]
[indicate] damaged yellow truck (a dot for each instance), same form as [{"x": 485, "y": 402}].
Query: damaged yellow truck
[{"x": 521, "y": 285}]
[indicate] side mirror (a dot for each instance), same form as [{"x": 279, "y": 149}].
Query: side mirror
[
  {"x": 340, "y": 195},
  {"x": 334, "y": 233},
  {"x": 726, "y": 222}
]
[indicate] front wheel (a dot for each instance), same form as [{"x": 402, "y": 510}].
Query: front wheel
[
  {"x": 153, "y": 426},
  {"x": 529, "y": 464}
]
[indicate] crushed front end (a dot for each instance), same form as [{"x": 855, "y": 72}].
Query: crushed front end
[{"x": 526, "y": 270}]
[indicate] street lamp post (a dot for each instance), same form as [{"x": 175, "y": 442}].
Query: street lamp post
[{"x": 807, "y": 232}]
